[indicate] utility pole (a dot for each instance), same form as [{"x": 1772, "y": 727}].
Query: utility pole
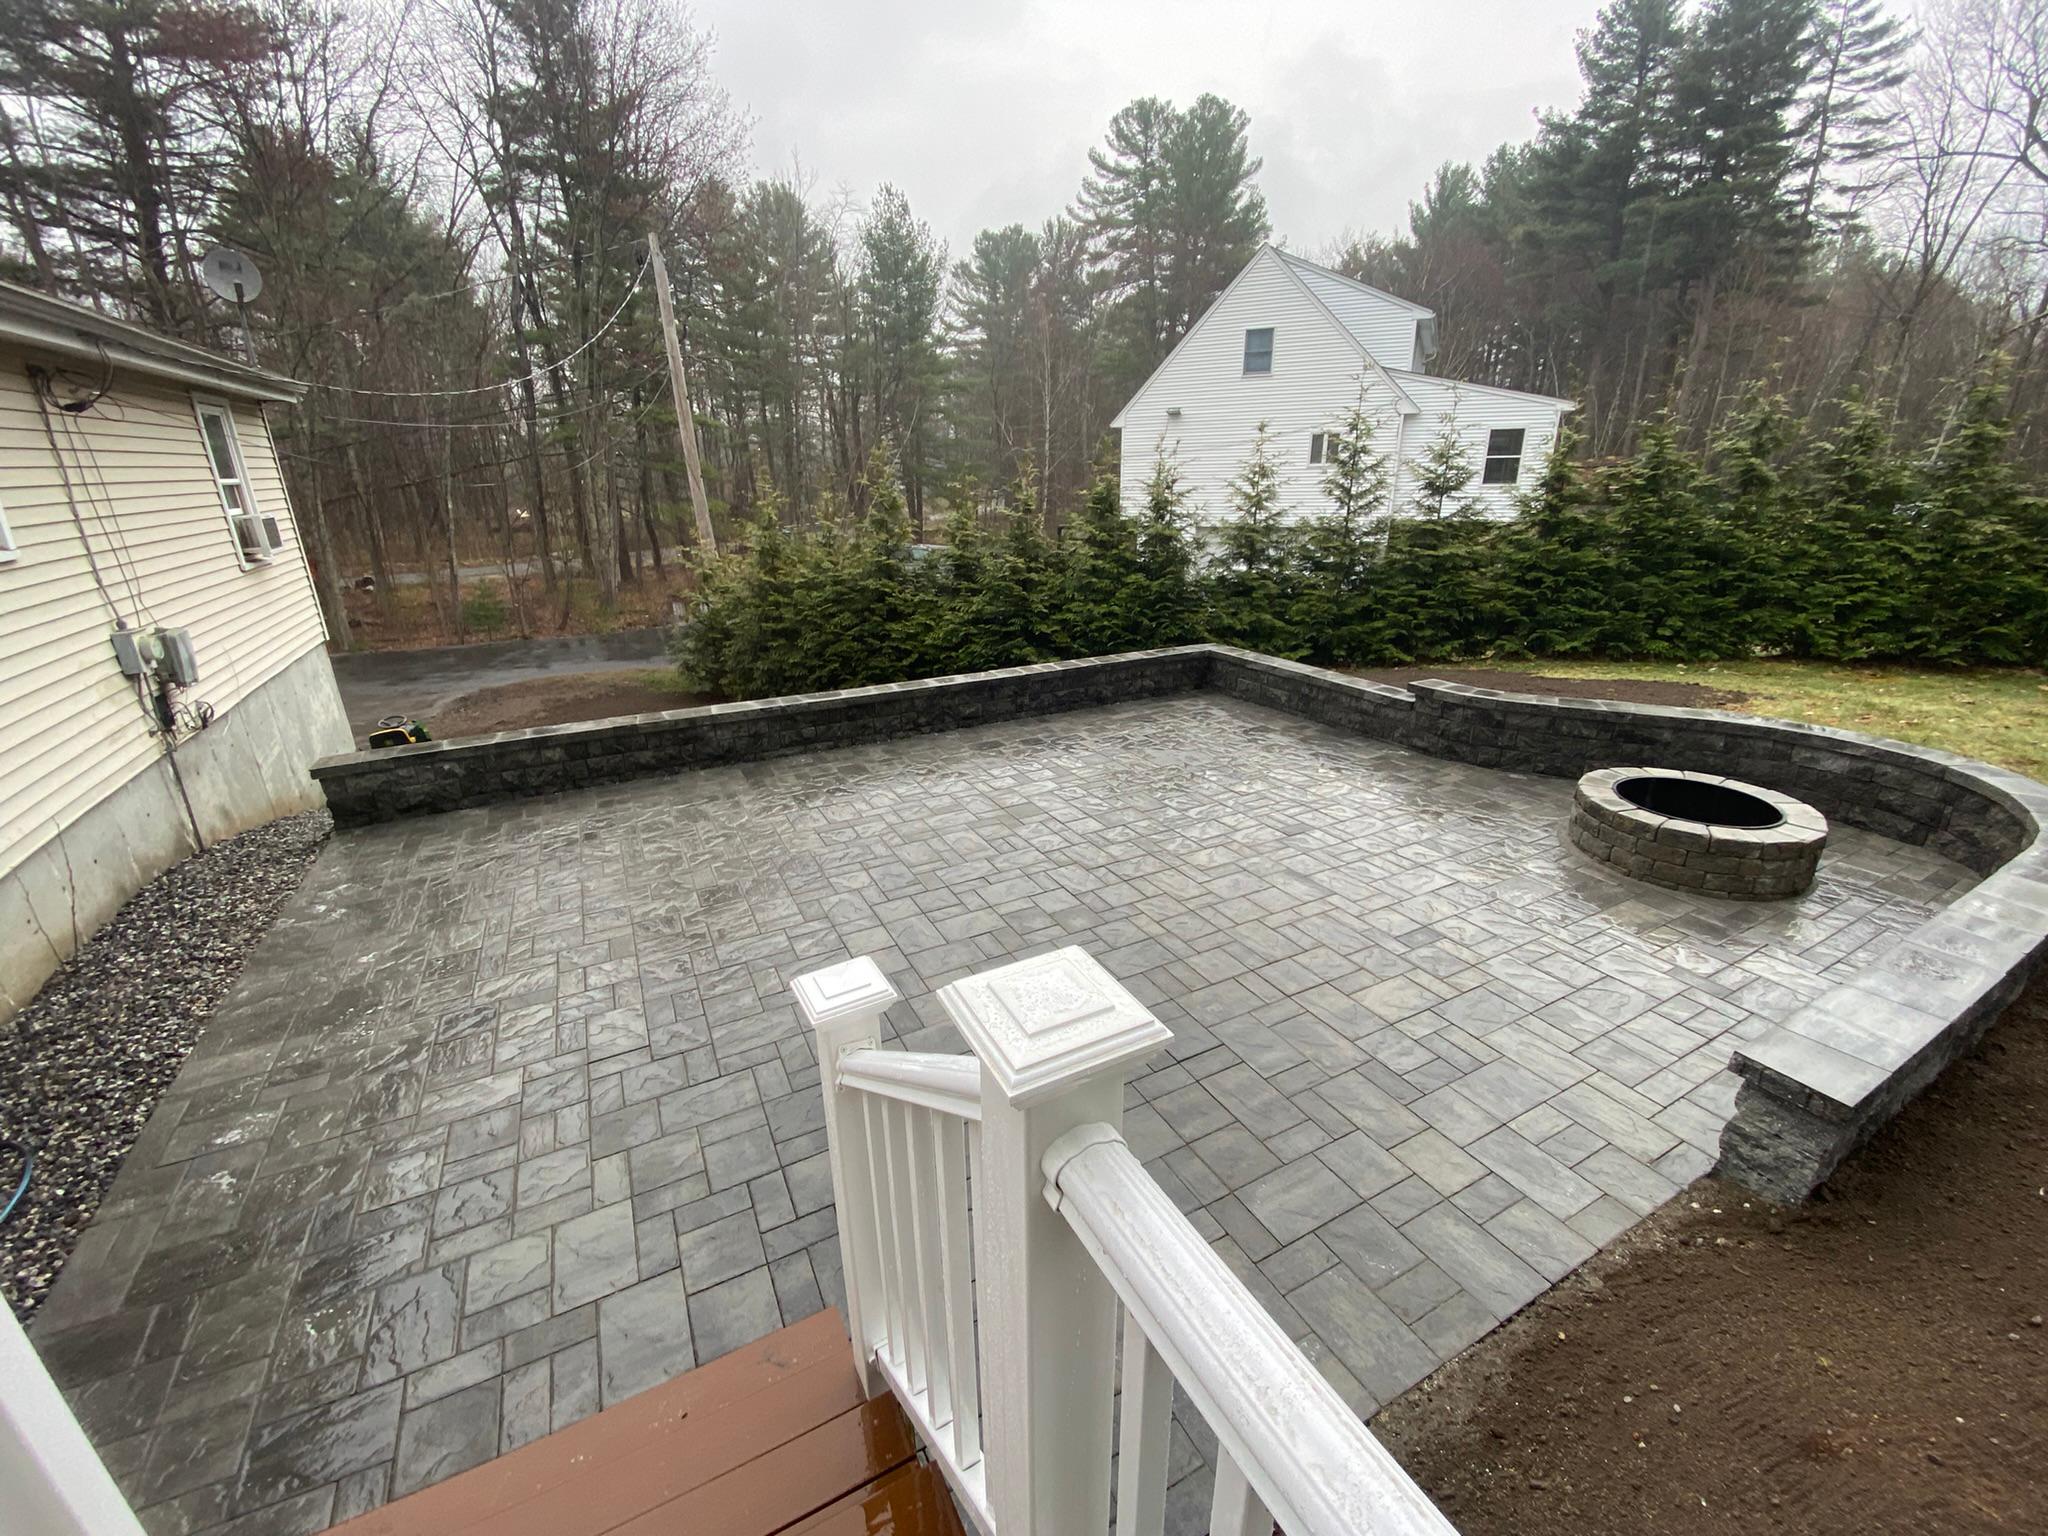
[{"x": 686, "y": 423}]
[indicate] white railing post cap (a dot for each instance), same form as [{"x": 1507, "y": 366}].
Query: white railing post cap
[
  {"x": 1041, "y": 1024},
  {"x": 849, "y": 989}
]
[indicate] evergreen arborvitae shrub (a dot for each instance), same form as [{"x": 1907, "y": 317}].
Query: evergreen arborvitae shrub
[
  {"x": 1252, "y": 580},
  {"x": 1839, "y": 546},
  {"x": 1337, "y": 611}
]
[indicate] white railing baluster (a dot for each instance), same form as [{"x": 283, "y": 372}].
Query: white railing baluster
[
  {"x": 1236, "y": 1510},
  {"x": 903, "y": 1220},
  {"x": 1144, "y": 1436},
  {"x": 843, "y": 1005},
  {"x": 931, "y": 1289},
  {"x": 958, "y": 1281},
  {"x": 1279, "y": 1425},
  {"x": 874, "y": 1115}
]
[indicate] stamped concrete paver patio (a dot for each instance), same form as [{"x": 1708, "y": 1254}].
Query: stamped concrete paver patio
[{"x": 511, "y": 1115}]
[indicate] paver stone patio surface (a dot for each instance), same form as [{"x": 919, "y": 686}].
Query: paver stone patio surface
[{"x": 511, "y": 1115}]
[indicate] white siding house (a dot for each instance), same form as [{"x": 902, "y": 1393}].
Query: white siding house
[
  {"x": 1297, "y": 346},
  {"x": 139, "y": 493}
]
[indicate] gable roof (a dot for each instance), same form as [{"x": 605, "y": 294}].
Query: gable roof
[
  {"x": 1303, "y": 265},
  {"x": 1401, "y": 397},
  {"x": 40, "y": 323},
  {"x": 1484, "y": 389}
]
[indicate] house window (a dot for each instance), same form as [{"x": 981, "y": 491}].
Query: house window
[
  {"x": 257, "y": 537},
  {"x": 1322, "y": 447},
  {"x": 1258, "y": 350},
  {"x": 1503, "y": 456},
  {"x": 8, "y": 551}
]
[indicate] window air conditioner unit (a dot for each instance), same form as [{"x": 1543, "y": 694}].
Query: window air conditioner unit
[{"x": 256, "y": 535}]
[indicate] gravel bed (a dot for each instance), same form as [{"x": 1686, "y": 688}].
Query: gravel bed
[{"x": 84, "y": 1064}]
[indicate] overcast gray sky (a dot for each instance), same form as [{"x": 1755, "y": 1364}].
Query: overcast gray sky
[{"x": 984, "y": 114}]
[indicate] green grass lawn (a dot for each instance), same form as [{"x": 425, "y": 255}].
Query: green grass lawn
[{"x": 1999, "y": 715}]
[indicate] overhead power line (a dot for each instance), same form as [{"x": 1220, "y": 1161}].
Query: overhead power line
[
  {"x": 489, "y": 389},
  {"x": 496, "y": 421}
]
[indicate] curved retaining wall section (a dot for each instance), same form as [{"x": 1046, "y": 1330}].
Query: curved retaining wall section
[
  {"x": 1816, "y": 1086},
  {"x": 1813, "y": 1088}
]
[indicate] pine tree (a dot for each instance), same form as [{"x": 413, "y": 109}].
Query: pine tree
[
  {"x": 1217, "y": 216},
  {"x": 1760, "y": 521},
  {"x": 886, "y": 617},
  {"x": 1096, "y": 615},
  {"x": 1846, "y": 119},
  {"x": 1663, "y": 526},
  {"x": 1852, "y": 571},
  {"x": 1977, "y": 551},
  {"x": 1166, "y": 601},
  {"x": 1012, "y": 613},
  {"x": 902, "y": 275},
  {"x": 1595, "y": 166},
  {"x": 1728, "y": 145},
  {"x": 1442, "y": 473},
  {"x": 1561, "y": 563},
  {"x": 992, "y": 390},
  {"x": 1126, "y": 206},
  {"x": 1253, "y": 584},
  {"x": 1336, "y": 611},
  {"x": 130, "y": 97},
  {"x": 1172, "y": 211}
]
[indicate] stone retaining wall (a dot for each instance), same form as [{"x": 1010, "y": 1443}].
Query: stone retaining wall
[
  {"x": 1817, "y": 1085},
  {"x": 448, "y": 775},
  {"x": 1813, "y": 1087}
]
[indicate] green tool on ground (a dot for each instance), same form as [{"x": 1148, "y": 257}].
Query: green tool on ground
[{"x": 398, "y": 731}]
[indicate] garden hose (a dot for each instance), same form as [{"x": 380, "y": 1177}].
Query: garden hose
[{"x": 28, "y": 1162}]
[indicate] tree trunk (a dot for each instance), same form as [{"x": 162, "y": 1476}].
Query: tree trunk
[{"x": 448, "y": 526}]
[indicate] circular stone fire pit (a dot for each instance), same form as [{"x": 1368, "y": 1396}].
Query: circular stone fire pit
[{"x": 1699, "y": 832}]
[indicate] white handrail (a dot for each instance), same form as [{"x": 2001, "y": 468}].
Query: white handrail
[
  {"x": 949, "y": 1084},
  {"x": 1313, "y": 1464}
]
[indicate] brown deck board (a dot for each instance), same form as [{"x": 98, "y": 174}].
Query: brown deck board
[
  {"x": 913, "y": 1500},
  {"x": 791, "y": 1483},
  {"x": 649, "y": 1450}
]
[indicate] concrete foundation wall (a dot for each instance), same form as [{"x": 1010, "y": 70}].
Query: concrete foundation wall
[
  {"x": 1815, "y": 1086},
  {"x": 250, "y": 766}
]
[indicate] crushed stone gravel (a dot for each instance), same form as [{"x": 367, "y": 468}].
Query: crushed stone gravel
[{"x": 84, "y": 1064}]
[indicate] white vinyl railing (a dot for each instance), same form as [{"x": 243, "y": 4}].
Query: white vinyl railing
[{"x": 994, "y": 1227}]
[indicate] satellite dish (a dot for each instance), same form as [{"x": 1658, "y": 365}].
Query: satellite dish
[{"x": 231, "y": 275}]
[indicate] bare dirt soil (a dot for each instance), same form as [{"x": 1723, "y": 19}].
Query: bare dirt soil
[
  {"x": 559, "y": 700},
  {"x": 1626, "y": 689},
  {"x": 1873, "y": 1361}
]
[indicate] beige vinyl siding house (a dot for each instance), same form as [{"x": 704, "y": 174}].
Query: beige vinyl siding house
[
  {"x": 117, "y": 519},
  {"x": 1335, "y": 344}
]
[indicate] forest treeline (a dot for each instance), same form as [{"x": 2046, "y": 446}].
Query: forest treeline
[
  {"x": 451, "y": 202},
  {"x": 1780, "y": 540}
]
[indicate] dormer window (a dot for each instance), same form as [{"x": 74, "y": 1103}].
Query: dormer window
[{"x": 1258, "y": 350}]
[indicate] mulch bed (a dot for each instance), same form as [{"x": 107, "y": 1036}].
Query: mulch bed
[
  {"x": 84, "y": 1064},
  {"x": 563, "y": 700},
  {"x": 1628, "y": 690},
  {"x": 1873, "y": 1361}
]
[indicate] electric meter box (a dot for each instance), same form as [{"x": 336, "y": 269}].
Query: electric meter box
[
  {"x": 137, "y": 653},
  {"x": 180, "y": 664}
]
